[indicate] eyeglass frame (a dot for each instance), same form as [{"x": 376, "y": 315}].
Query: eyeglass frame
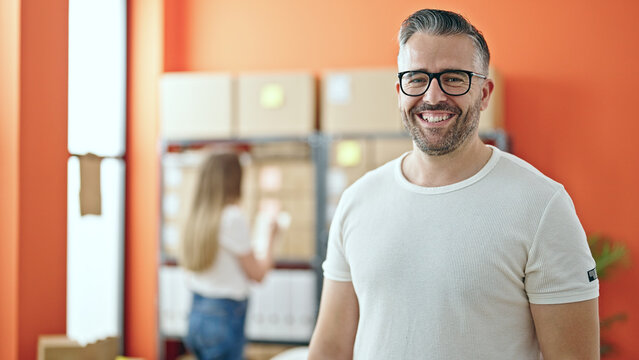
[{"x": 432, "y": 76}]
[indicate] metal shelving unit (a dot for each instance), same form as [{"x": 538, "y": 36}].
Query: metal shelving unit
[{"x": 316, "y": 143}]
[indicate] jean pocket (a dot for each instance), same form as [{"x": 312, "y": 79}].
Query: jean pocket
[{"x": 210, "y": 334}]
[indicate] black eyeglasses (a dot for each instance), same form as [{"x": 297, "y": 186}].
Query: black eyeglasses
[{"x": 452, "y": 82}]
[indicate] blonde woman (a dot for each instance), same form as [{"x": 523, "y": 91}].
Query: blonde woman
[{"x": 219, "y": 262}]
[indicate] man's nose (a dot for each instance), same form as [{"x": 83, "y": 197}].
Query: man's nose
[{"x": 434, "y": 94}]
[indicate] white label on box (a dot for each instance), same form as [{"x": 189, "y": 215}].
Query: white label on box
[
  {"x": 171, "y": 235},
  {"x": 339, "y": 89},
  {"x": 271, "y": 178},
  {"x": 171, "y": 205},
  {"x": 172, "y": 176},
  {"x": 349, "y": 153},
  {"x": 272, "y": 96},
  {"x": 336, "y": 181}
]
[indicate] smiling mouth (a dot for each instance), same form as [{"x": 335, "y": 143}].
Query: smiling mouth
[{"x": 432, "y": 118}]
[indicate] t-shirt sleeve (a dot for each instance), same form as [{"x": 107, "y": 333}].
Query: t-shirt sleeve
[
  {"x": 235, "y": 232},
  {"x": 560, "y": 267},
  {"x": 336, "y": 266}
]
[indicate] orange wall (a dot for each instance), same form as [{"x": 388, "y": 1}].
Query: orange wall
[
  {"x": 9, "y": 122},
  {"x": 145, "y": 34},
  {"x": 570, "y": 71},
  {"x": 33, "y": 164}
]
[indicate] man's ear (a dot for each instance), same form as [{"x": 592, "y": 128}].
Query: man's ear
[
  {"x": 486, "y": 90},
  {"x": 398, "y": 94}
]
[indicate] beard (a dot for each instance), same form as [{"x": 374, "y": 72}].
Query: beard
[{"x": 442, "y": 141}]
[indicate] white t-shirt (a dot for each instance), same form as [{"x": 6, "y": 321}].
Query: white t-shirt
[
  {"x": 225, "y": 278},
  {"x": 449, "y": 272}
]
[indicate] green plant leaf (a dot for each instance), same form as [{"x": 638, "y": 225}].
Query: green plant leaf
[{"x": 607, "y": 254}]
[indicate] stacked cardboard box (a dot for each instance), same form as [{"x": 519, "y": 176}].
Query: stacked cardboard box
[
  {"x": 196, "y": 106},
  {"x": 277, "y": 178},
  {"x": 276, "y": 104},
  {"x": 204, "y": 106},
  {"x": 360, "y": 102},
  {"x": 60, "y": 347},
  {"x": 349, "y": 160},
  {"x": 387, "y": 149},
  {"x": 281, "y": 178},
  {"x": 352, "y": 158}
]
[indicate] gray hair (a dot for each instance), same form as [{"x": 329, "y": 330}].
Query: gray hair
[{"x": 442, "y": 22}]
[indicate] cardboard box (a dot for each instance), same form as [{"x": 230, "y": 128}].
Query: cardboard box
[
  {"x": 274, "y": 150},
  {"x": 350, "y": 153},
  {"x": 60, "y": 347},
  {"x": 281, "y": 177},
  {"x": 279, "y": 167},
  {"x": 196, "y": 106},
  {"x": 349, "y": 160},
  {"x": 301, "y": 207},
  {"x": 493, "y": 117},
  {"x": 298, "y": 243},
  {"x": 279, "y": 150},
  {"x": 360, "y": 102},
  {"x": 276, "y": 104},
  {"x": 276, "y": 181},
  {"x": 385, "y": 150}
]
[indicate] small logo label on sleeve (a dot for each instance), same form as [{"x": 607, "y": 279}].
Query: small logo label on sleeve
[{"x": 592, "y": 274}]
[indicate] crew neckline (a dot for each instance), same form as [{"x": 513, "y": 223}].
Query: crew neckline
[{"x": 403, "y": 182}]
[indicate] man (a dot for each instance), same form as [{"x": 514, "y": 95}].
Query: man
[{"x": 456, "y": 250}]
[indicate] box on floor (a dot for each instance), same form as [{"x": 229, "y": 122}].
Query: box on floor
[{"x": 60, "y": 347}]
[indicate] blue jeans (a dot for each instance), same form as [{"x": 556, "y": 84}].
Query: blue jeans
[{"x": 216, "y": 328}]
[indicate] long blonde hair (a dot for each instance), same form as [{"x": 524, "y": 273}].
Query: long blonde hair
[{"x": 219, "y": 184}]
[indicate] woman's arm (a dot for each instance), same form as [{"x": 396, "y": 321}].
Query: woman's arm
[{"x": 257, "y": 268}]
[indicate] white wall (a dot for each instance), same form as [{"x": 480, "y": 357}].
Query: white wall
[{"x": 97, "y": 95}]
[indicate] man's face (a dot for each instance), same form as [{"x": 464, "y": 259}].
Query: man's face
[{"x": 440, "y": 123}]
